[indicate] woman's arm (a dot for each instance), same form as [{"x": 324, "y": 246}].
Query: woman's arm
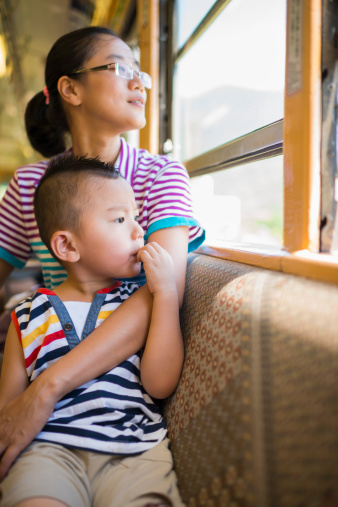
[
  {"x": 116, "y": 339},
  {"x": 14, "y": 378}
]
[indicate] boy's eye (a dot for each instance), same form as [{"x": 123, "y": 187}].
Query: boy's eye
[
  {"x": 136, "y": 218},
  {"x": 120, "y": 220}
]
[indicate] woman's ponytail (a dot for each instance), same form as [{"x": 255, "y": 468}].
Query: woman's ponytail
[
  {"x": 45, "y": 135},
  {"x": 45, "y": 118}
]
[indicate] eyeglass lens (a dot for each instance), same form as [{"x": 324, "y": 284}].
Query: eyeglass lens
[{"x": 127, "y": 72}]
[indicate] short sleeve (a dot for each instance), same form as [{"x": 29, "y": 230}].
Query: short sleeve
[
  {"x": 169, "y": 202},
  {"x": 14, "y": 244}
]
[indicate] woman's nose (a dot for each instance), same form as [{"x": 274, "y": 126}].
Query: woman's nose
[{"x": 136, "y": 83}]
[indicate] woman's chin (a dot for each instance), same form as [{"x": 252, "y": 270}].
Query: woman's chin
[{"x": 139, "y": 124}]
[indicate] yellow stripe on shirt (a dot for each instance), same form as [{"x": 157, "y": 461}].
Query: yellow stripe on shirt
[{"x": 40, "y": 330}]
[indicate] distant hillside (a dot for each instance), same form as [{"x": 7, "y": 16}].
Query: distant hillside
[
  {"x": 213, "y": 119},
  {"x": 219, "y": 116}
]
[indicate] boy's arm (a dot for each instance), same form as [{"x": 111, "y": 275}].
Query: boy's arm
[
  {"x": 14, "y": 378},
  {"x": 163, "y": 355}
]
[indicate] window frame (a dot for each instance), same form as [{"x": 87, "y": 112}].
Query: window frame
[{"x": 300, "y": 145}]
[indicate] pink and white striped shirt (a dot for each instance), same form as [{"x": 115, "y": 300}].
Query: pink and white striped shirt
[{"x": 162, "y": 192}]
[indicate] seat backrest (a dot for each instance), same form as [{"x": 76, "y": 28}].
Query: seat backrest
[{"x": 254, "y": 420}]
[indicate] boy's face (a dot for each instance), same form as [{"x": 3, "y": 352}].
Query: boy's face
[{"x": 109, "y": 236}]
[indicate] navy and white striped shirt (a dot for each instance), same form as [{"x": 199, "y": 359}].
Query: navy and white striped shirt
[{"x": 111, "y": 414}]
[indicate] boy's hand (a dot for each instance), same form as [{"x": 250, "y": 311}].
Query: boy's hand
[{"x": 159, "y": 268}]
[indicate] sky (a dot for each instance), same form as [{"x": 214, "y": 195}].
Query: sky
[{"x": 244, "y": 47}]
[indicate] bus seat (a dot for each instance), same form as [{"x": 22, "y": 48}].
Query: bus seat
[{"x": 254, "y": 419}]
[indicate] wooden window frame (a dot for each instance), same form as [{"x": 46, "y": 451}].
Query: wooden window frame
[{"x": 301, "y": 147}]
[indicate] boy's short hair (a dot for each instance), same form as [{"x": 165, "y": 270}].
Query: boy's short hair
[{"x": 60, "y": 199}]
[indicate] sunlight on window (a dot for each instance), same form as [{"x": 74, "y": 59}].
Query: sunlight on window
[
  {"x": 189, "y": 15},
  {"x": 243, "y": 204},
  {"x": 231, "y": 81}
]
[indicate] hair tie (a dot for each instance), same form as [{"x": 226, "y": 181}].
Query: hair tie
[{"x": 46, "y": 94}]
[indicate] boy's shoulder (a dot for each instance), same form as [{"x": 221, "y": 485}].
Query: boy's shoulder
[
  {"x": 31, "y": 309},
  {"x": 35, "y": 299},
  {"x": 28, "y": 299}
]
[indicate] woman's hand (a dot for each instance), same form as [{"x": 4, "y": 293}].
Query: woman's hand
[{"x": 14, "y": 437}]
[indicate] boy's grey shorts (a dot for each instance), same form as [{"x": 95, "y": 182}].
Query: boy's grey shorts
[{"x": 84, "y": 479}]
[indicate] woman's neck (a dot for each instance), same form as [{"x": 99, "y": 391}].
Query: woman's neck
[{"x": 107, "y": 148}]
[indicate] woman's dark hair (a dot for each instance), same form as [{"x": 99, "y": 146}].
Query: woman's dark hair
[{"x": 46, "y": 125}]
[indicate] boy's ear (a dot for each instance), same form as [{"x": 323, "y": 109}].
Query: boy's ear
[
  {"x": 64, "y": 246},
  {"x": 69, "y": 91}
]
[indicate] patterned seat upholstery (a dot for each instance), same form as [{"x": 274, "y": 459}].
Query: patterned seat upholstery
[{"x": 254, "y": 420}]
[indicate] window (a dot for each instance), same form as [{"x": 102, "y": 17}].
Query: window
[
  {"x": 242, "y": 204},
  {"x": 228, "y": 104},
  {"x": 231, "y": 81},
  {"x": 240, "y": 133}
]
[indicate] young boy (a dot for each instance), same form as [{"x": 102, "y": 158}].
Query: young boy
[{"x": 105, "y": 443}]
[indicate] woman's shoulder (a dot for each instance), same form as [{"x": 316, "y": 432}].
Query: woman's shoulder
[
  {"x": 143, "y": 164},
  {"x": 145, "y": 156},
  {"x": 31, "y": 172},
  {"x": 158, "y": 164}
]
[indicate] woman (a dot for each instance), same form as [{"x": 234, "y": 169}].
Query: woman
[{"x": 95, "y": 92}]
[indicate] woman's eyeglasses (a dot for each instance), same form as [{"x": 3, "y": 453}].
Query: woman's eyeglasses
[{"x": 122, "y": 70}]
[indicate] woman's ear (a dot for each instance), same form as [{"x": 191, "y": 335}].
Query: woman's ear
[
  {"x": 69, "y": 91},
  {"x": 64, "y": 246}
]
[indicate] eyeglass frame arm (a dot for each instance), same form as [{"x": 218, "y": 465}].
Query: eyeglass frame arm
[{"x": 100, "y": 67}]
